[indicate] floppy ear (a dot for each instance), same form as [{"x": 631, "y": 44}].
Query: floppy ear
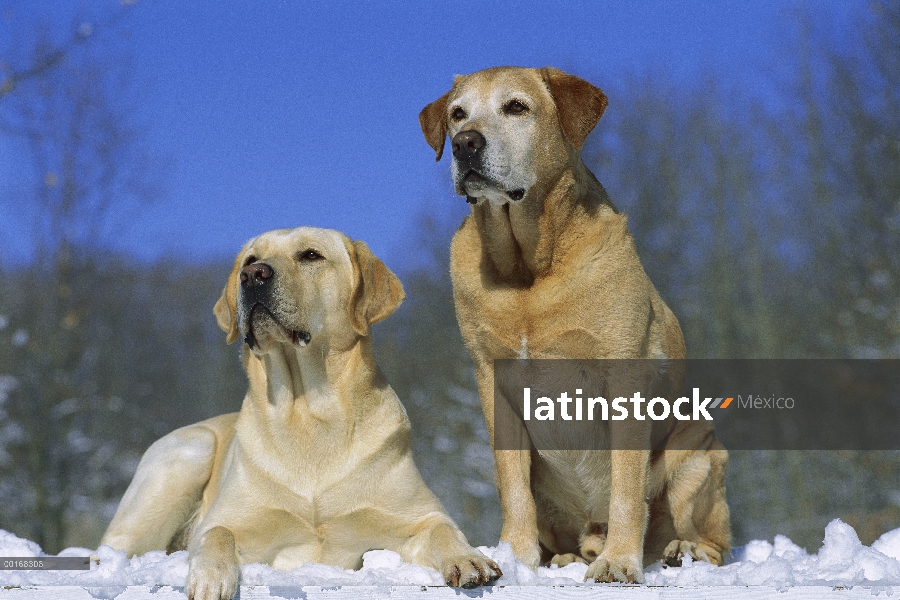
[
  {"x": 377, "y": 292},
  {"x": 226, "y": 307},
  {"x": 433, "y": 120},
  {"x": 579, "y": 104}
]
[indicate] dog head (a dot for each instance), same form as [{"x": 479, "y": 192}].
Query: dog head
[
  {"x": 510, "y": 128},
  {"x": 299, "y": 286}
]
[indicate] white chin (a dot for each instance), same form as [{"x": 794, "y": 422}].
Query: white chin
[{"x": 492, "y": 195}]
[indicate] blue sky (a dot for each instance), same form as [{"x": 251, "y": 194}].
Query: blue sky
[{"x": 276, "y": 114}]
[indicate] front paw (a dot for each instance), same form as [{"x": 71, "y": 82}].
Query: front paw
[
  {"x": 625, "y": 569},
  {"x": 211, "y": 578},
  {"x": 471, "y": 571}
]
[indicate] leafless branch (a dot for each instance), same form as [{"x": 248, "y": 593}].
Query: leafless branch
[{"x": 52, "y": 57}]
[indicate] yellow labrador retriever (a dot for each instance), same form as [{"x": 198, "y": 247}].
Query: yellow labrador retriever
[
  {"x": 544, "y": 267},
  {"x": 317, "y": 464}
]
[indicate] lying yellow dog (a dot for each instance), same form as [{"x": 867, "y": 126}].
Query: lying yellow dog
[{"x": 317, "y": 464}]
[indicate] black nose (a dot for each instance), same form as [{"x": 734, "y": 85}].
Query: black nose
[
  {"x": 466, "y": 144},
  {"x": 256, "y": 274}
]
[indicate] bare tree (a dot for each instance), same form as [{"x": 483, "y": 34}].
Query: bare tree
[
  {"x": 80, "y": 169},
  {"x": 848, "y": 122}
]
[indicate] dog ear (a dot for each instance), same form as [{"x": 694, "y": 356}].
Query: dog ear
[
  {"x": 579, "y": 104},
  {"x": 226, "y": 307},
  {"x": 377, "y": 292},
  {"x": 433, "y": 121}
]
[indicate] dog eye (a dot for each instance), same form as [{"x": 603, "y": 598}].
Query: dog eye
[
  {"x": 458, "y": 114},
  {"x": 309, "y": 255},
  {"x": 249, "y": 260},
  {"x": 514, "y": 107}
]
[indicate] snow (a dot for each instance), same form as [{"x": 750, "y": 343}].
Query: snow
[{"x": 841, "y": 561}]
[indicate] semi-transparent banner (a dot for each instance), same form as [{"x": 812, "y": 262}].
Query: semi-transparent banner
[{"x": 749, "y": 404}]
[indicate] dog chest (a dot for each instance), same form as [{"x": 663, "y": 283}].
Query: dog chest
[
  {"x": 580, "y": 481},
  {"x": 540, "y": 322}
]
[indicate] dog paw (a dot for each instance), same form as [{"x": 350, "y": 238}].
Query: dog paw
[
  {"x": 561, "y": 560},
  {"x": 211, "y": 579},
  {"x": 609, "y": 569},
  {"x": 678, "y": 549},
  {"x": 593, "y": 541},
  {"x": 471, "y": 571}
]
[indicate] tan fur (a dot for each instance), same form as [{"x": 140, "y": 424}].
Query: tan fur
[
  {"x": 317, "y": 464},
  {"x": 555, "y": 275}
]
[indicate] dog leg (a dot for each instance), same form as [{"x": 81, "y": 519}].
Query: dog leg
[
  {"x": 213, "y": 568},
  {"x": 517, "y": 505},
  {"x": 164, "y": 492},
  {"x": 696, "y": 492},
  {"x": 442, "y": 546},
  {"x": 623, "y": 551},
  {"x": 621, "y": 558},
  {"x": 714, "y": 522},
  {"x": 513, "y": 478}
]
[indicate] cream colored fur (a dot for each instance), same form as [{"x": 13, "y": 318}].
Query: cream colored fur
[
  {"x": 555, "y": 274},
  {"x": 317, "y": 464}
]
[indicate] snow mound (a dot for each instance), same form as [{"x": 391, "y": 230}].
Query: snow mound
[{"x": 841, "y": 561}]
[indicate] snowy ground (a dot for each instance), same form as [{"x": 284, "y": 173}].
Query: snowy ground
[{"x": 841, "y": 561}]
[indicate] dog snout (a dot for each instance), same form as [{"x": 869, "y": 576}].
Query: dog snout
[
  {"x": 256, "y": 274},
  {"x": 467, "y": 144}
]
